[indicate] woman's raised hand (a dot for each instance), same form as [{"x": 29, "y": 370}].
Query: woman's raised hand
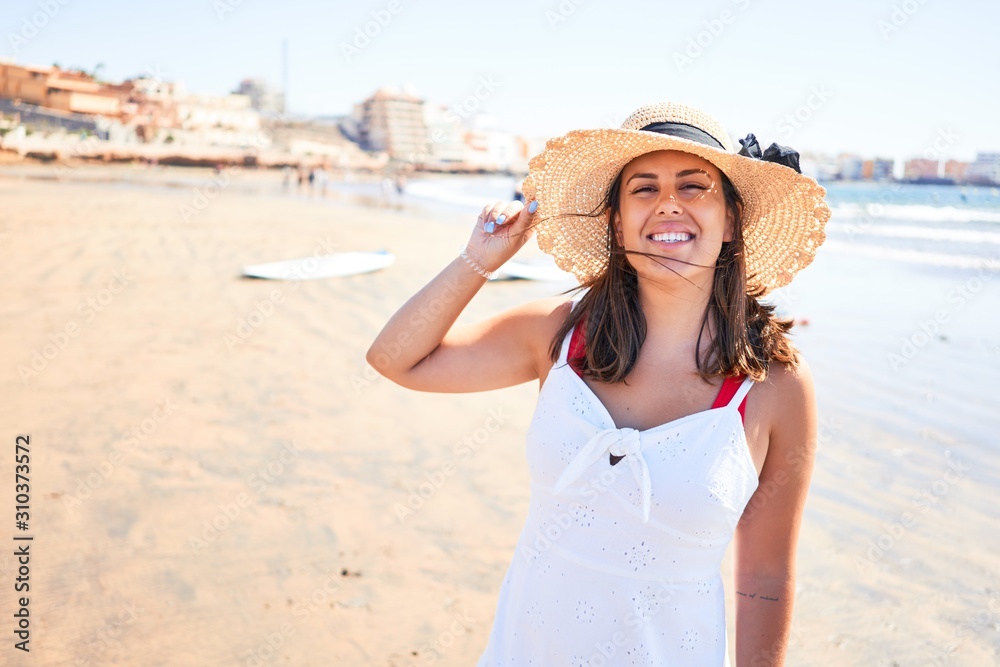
[{"x": 501, "y": 230}]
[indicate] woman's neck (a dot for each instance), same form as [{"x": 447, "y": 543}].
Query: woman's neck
[{"x": 674, "y": 315}]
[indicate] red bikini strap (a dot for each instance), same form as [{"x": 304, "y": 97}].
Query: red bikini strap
[
  {"x": 576, "y": 353},
  {"x": 729, "y": 388}
]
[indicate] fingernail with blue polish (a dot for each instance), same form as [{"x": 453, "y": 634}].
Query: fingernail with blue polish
[
  {"x": 489, "y": 227},
  {"x": 501, "y": 219},
  {"x": 533, "y": 206}
]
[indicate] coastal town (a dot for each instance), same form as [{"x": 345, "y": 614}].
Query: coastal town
[{"x": 67, "y": 116}]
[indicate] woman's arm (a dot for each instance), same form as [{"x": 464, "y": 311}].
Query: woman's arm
[
  {"x": 420, "y": 349},
  {"x": 767, "y": 534}
]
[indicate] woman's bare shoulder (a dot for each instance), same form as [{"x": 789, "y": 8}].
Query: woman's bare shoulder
[
  {"x": 542, "y": 319},
  {"x": 787, "y": 381},
  {"x": 546, "y": 316},
  {"x": 788, "y": 395}
]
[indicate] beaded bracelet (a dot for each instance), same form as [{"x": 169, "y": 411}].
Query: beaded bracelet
[{"x": 475, "y": 267}]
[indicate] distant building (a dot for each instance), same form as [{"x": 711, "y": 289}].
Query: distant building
[
  {"x": 202, "y": 112},
  {"x": 148, "y": 105},
  {"x": 985, "y": 170},
  {"x": 447, "y": 135},
  {"x": 263, "y": 97},
  {"x": 921, "y": 169},
  {"x": 492, "y": 149},
  {"x": 144, "y": 108},
  {"x": 882, "y": 169},
  {"x": 955, "y": 170},
  {"x": 393, "y": 122},
  {"x": 820, "y": 166},
  {"x": 850, "y": 167},
  {"x": 53, "y": 88}
]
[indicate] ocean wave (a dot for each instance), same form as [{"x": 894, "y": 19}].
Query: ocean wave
[
  {"x": 472, "y": 192},
  {"x": 915, "y": 212},
  {"x": 915, "y": 256},
  {"x": 910, "y": 232}
]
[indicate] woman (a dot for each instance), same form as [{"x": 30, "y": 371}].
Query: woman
[{"x": 639, "y": 480}]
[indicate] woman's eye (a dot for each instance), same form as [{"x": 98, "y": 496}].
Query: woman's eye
[
  {"x": 695, "y": 186},
  {"x": 643, "y": 188}
]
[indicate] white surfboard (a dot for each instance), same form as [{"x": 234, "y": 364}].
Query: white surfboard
[
  {"x": 543, "y": 270},
  {"x": 322, "y": 266}
]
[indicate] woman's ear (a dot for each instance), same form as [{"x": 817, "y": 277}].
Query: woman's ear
[
  {"x": 618, "y": 229},
  {"x": 730, "y": 226}
]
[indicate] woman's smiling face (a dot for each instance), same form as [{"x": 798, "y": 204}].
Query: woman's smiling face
[{"x": 672, "y": 205}]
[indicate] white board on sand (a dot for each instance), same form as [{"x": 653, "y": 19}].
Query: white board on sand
[
  {"x": 322, "y": 266},
  {"x": 544, "y": 270}
]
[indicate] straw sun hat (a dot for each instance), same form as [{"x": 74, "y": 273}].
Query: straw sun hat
[{"x": 783, "y": 216}]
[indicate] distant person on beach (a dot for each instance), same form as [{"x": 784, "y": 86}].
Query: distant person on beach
[
  {"x": 321, "y": 179},
  {"x": 674, "y": 415},
  {"x": 389, "y": 192}
]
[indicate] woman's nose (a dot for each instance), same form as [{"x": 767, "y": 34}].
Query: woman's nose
[{"x": 668, "y": 204}]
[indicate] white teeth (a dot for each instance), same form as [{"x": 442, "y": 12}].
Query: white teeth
[{"x": 672, "y": 237}]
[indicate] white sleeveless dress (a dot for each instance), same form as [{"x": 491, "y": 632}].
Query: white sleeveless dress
[{"x": 620, "y": 564}]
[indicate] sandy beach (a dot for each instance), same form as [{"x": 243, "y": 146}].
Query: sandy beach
[{"x": 218, "y": 478}]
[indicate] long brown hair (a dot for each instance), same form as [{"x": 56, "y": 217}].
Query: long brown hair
[{"x": 748, "y": 335}]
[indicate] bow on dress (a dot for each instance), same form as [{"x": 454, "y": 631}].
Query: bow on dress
[
  {"x": 619, "y": 442},
  {"x": 782, "y": 155}
]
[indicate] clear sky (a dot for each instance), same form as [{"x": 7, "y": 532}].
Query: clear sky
[{"x": 886, "y": 78}]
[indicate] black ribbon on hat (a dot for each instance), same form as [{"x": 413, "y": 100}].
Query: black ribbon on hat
[
  {"x": 684, "y": 131},
  {"x": 774, "y": 153}
]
